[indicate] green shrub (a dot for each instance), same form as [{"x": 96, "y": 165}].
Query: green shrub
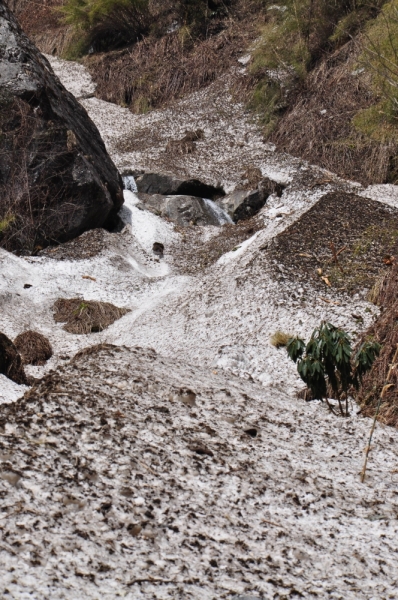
[
  {"x": 293, "y": 39},
  {"x": 327, "y": 361},
  {"x": 6, "y": 222}
]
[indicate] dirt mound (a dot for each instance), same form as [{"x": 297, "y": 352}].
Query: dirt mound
[
  {"x": 34, "y": 348},
  {"x": 81, "y": 316},
  {"x": 89, "y": 244},
  {"x": 384, "y": 331},
  {"x": 10, "y": 361},
  {"x": 358, "y": 232}
]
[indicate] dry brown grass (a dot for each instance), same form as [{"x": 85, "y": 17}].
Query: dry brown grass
[
  {"x": 81, "y": 316},
  {"x": 34, "y": 348},
  {"x": 154, "y": 72},
  {"x": 328, "y": 138},
  {"x": 384, "y": 331},
  {"x": 280, "y": 339}
]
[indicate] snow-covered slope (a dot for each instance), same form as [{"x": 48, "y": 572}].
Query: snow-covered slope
[{"x": 281, "y": 515}]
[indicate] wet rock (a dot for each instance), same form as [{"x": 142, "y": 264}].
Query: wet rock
[
  {"x": 269, "y": 186},
  {"x": 183, "y": 210},
  {"x": 56, "y": 177},
  {"x": 243, "y": 204},
  {"x": 10, "y": 361},
  {"x": 167, "y": 185}
]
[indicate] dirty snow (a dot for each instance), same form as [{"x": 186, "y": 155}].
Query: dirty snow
[{"x": 282, "y": 515}]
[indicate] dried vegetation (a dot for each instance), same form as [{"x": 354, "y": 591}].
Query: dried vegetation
[
  {"x": 318, "y": 126},
  {"x": 384, "y": 331},
  {"x": 81, "y": 316},
  {"x": 33, "y": 347},
  {"x": 155, "y": 72}
]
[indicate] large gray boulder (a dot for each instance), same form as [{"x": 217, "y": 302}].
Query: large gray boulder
[
  {"x": 56, "y": 178},
  {"x": 184, "y": 210}
]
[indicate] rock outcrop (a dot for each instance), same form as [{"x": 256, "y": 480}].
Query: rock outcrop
[
  {"x": 56, "y": 178},
  {"x": 243, "y": 204},
  {"x": 184, "y": 210},
  {"x": 167, "y": 185},
  {"x": 10, "y": 361}
]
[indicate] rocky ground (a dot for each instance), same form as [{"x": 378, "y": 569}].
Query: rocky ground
[{"x": 190, "y": 470}]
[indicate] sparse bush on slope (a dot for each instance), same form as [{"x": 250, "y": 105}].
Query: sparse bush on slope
[
  {"x": 105, "y": 24},
  {"x": 327, "y": 364},
  {"x": 102, "y": 25},
  {"x": 294, "y": 38}
]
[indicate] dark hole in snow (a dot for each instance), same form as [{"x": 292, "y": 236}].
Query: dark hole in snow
[
  {"x": 213, "y": 563},
  {"x": 27, "y": 286},
  {"x": 158, "y": 249},
  {"x": 252, "y": 432},
  {"x": 106, "y": 507}
]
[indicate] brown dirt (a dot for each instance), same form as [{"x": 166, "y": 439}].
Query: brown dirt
[
  {"x": 81, "y": 316},
  {"x": 329, "y": 139},
  {"x": 34, "y": 348},
  {"x": 10, "y": 361},
  {"x": 384, "y": 331},
  {"x": 366, "y": 229},
  {"x": 195, "y": 255},
  {"x": 89, "y": 244}
]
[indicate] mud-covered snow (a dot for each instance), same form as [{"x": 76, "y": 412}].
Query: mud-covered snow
[
  {"x": 129, "y": 475},
  {"x": 279, "y": 515}
]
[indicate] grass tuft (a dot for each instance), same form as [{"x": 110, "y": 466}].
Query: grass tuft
[{"x": 280, "y": 339}]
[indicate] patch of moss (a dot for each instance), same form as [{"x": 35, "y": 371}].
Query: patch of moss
[{"x": 6, "y": 222}]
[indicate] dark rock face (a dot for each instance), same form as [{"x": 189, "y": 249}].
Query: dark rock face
[
  {"x": 167, "y": 185},
  {"x": 10, "y": 361},
  {"x": 183, "y": 210},
  {"x": 56, "y": 178},
  {"x": 243, "y": 204}
]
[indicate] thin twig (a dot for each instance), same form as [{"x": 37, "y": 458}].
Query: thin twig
[
  {"x": 336, "y": 260},
  {"x": 385, "y": 388}
]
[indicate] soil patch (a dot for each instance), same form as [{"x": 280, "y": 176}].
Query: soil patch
[
  {"x": 384, "y": 331},
  {"x": 89, "y": 244},
  {"x": 34, "y": 348},
  {"x": 362, "y": 233},
  {"x": 81, "y": 316},
  {"x": 196, "y": 253}
]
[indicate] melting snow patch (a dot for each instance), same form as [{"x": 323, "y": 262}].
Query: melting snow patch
[
  {"x": 10, "y": 391},
  {"x": 238, "y": 251}
]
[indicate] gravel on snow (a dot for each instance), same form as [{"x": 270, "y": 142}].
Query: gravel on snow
[{"x": 281, "y": 514}]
